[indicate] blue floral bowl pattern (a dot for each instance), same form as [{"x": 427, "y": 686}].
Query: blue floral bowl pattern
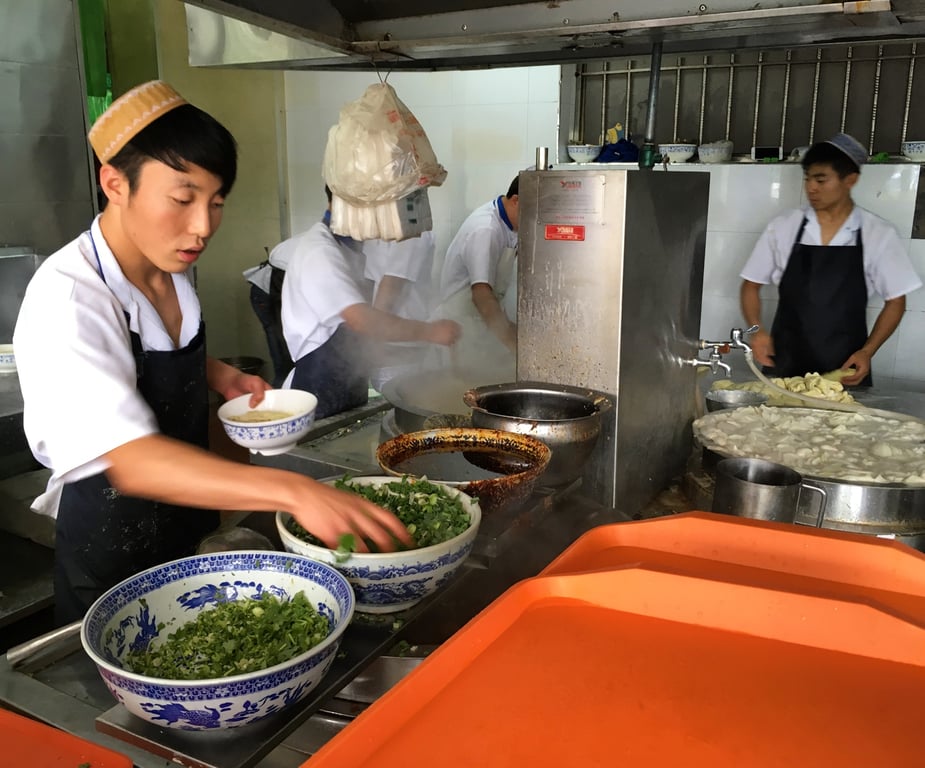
[
  {"x": 153, "y": 603},
  {"x": 278, "y": 435},
  {"x": 7, "y": 358},
  {"x": 914, "y": 150},
  {"x": 584, "y": 153},
  {"x": 393, "y": 581}
]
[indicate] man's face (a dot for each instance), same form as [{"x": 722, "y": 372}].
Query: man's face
[
  {"x": 513, "y": 211},
  {"x": 172, "y": 214},
  {"x": 825, "y": 189}
]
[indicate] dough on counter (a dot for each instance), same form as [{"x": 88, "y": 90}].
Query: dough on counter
[
  {"x": 852, "y": 447},
  {"x": 824, "y": 386}
]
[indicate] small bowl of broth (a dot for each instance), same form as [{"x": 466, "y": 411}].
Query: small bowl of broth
[
  {"x": 498, "y": 468},
  {"x": 275, "y": 426}
]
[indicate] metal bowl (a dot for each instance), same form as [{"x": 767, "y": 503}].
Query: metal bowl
[
  {"x": 498, "y": 468},
  {"x": 567, "y": 419},
  {"x": 719, "y": 399}
]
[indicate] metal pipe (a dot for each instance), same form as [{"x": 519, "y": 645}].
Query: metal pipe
[
  {"x": 910, "y": 78},
  {"x": 784, "y": 100},
  {"x": 812, "y": 112},
  {"x": 655, "y": 72},
  {"x": 844, "y": 101},
  {"x": 732, "y": 76},
  {"x": 604, "y": 104},
  {"x": 873, "y": 111},
  {"x": 703, "y": 98},
  {"x": 629, "y": 93},
  {"x": 758, "y": 74},
  {"x": 677, "y": 99}
]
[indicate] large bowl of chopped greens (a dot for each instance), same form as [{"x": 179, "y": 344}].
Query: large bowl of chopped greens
[
  {"x": 220, "y": 640},
  {"x": 442, "y": 520}
]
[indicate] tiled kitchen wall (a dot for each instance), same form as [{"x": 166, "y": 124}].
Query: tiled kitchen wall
[
  {"x": 745, "y": 197},
  {"x": 484, "y": 127}
]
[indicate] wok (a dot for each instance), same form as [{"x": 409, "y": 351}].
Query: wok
[
  {"x": 518, "y": 461},
  {"x": 429, "y": 393}
]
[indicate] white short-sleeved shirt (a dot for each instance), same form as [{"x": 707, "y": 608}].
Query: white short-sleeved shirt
[
  {"x": 75, "y": 363},
  {"x": 323, "y": 278},
  {"x": 474, "y": 253},
  {"x": 887, "y": 269},
  {"x": 411, "y": 260}
]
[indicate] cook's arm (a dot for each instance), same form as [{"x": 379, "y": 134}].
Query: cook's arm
[
  {"x": 162, "y": 469},
  {"x": 491, "y": 312},
  {"x": 229, "y": 382},
  {"x": 387, "y": 293},
  {"x": 887, "y": 322},
  {"x": 761, "y": 343},
  {"x": 384, "y": 326}
]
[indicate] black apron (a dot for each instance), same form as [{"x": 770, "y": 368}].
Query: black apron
[
  {"x": 821, "y": 319},
  {"x": 101, "y": 536},
  {"x": 337, "y": 373}
]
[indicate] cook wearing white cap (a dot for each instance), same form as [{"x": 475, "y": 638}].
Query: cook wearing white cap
[
  {"x": 110, "y": 348},
  {"x": 827, "y": 260}
]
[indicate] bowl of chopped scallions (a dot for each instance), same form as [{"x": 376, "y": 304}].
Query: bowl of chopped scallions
[
  {"x": 220, "y": 640},
  {"x": 441, "y": 519}
]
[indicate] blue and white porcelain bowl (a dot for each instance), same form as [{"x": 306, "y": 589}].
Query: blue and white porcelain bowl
[
  {"x": 7, "y": 358},
  {"x": 584, "y": 153},
  {"x": 715, "y": 152},
  {"x": 914, "y": 150},
  {"x": 677, "y": 153},
  {"x": 152, "y": 604},
  {"x": 275, "y": 436},
  {"x": 385, "y": 582}
]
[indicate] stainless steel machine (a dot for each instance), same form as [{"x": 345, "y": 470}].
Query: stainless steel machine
[{"x": 610, "y": 277}]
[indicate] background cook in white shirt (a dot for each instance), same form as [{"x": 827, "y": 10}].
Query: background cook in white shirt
[
  {"x": 401, "y": 275},
  {"x": 827, "y": 260},
  {"x": 328, "y": 319},
  {"x": 479, "y": 271}
]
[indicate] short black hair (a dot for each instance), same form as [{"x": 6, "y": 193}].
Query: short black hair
[
  {"x": 824, "y": 153},
  {"x": 515, "y": 185},
  {"x": 185, "y": 135},
  {"x": 329, "y": 194}
]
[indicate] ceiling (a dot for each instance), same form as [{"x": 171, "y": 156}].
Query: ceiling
[{"x": 410, "y": 34}]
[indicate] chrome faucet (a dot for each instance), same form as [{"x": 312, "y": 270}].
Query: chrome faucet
[{"x": 717, "y": 349}]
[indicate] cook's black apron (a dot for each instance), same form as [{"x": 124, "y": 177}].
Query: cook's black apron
[
  {"x": 102, "y": 536},
  {"x": 821, "y": 319},
  {"x": 337, "y": 373}
]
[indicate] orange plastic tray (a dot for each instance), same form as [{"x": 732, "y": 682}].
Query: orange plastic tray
[
  {"x": 28, "y": 742},
  {"x": 636, "y": 666}
]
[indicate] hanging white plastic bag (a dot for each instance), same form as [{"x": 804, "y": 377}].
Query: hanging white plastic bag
[{"x": 378, "y": 151}]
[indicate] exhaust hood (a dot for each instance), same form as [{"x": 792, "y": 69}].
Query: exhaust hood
[{"x": 412, "y": 35}]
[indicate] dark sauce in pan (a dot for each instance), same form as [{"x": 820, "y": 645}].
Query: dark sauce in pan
[{"x": 456, "y": 465}]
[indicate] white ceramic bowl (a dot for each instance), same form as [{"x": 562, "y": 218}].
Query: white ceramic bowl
[
  {"x": 584, "y": 153},
  {"x": 677, "y": 153},
  {"x": 715, "y": 152},
  {"x": 271, "y": 437},
  {"x": 7, "y": 358},
  {"x": 914, "y": 150},
  {"x": 155, "y": 602},
  {"x": 393, "y": 581}
]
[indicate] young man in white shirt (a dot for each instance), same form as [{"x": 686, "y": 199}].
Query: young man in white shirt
[
  {"x": 329, "y": 320},
  {"x": 110, "y": 350},
  {"x": 826, "y": 260},
  {"x": 478, "y": 283}
]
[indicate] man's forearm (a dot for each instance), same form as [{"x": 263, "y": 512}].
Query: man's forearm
[
  {"x": 887, "y": 322},
  {"x": 750, "y": 299},
  {"x": 489, "y": 308}
]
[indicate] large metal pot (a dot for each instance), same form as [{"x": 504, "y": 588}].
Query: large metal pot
[
  {"x": 872, "y": 508},
  {"x": 567, "y": 419}
]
